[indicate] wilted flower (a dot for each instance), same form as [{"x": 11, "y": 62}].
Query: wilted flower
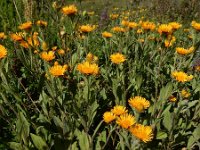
[
  {"x": 88, "y": 68},
  {"x": 107, "y": 34},
  {"x": 69, "y": 10},
  {"x": 126, "y": 120},
  {"x": 108, "y": 117},
  {"x": 33, "y": 41},
  {"x": 119, "y": 110},
  {"x": 57, "y": 70},
  {"x": 3, "y": 51},
  {"x": 25, "y": 26},
  {"x": 139, "y": 103},
  {"x": 117, "y": 58},
  {"x": 142, "y": 132},
  {"x": 181, "y": 76},
  {"x": 87, "y": 28},
  {"x": 47, "y": 56},
  {"x": 185, "y": 93}
]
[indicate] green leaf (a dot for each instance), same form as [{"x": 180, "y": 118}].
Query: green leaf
[
  {"x": 15, "y": 146},
  {"x": 161, "y": 135},
  {"x": 166, "y": 91},
  {"x": 39, "y": 143},
  {"x": 167, "y": 121},
  {"x": 82, "y": 139}
]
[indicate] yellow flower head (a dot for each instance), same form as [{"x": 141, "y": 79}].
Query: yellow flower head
[
  {"x": 91, "y": 58},
  {"x": 25, "y": 26},
  {"x": 125, "y": 23},
  {"x": 126, "y": 120},
  {"x": 117, "y": 58},
  {"x": 33, "y": 41},
  {"x": 183, "y": 51},
  {"x": 47, "y": 56},
  {"x": 114, "y": 16},
  {"x": 148, "y": 25},
  {"x": 139, "y": 31},
  {"x": 107, "y": 34},
  {"x": 24, "y": 44},
  {"x": 69, "y": 10},
  {"x": 17, "y": 36},
  {"x": 195, "y": 25},
  {"x": 41, "y": 23},
  {"x": 172, "y": 98},
  {"x": 175, "y": 25},
  {"x": 108, "y": 117},
  {"x": 118, "y": 29},
  {"x": 3, "y": 51},
  {"x": 88, "y": 68},
  {"x": 132, "y": 25},
  {"x": 2, "y": 35},
  {"x": 170, "y": 40},
  {"x": 87, "y": 28},
  {"x": 142, "y": 132},
  {"x": 181, "y": 76},
  {"x": 61, "y": 51},
  {"x": 185, "y": 93},
  {"x": 139, "y": 103},
  {"x": 165, "y": 28},
  {"x": 58, "y": 70},
  {"x": 119, "y": 110}
]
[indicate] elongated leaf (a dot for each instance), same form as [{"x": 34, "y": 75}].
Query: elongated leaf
[
  {"x": 39, "y": 143},
  {"x": 167, "y": 121}
]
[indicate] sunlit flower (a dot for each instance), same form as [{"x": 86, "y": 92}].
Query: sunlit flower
[
  {"x": 87, "y": 28},
  {"x": 183, "y": 51},
  {"x": 195, "y": 25},
  {"x": 118, "y": 29},
  {"x": 108, "y": 117},
  {"x": 126, "y": 120},
  {"x": 47, "y": 56},
  {"x": 132, "y": 25},
  {"x": 58, "y": 70},
  {"x": 88, "y": 68},
  {"x": 61, "y": 51},
  {"x": 69, "y": 10},
  {"x": 119, "y": 110},
  {"x": 181, "y": 76},
  {"x": 185, "y": 93},
  {"x": 17, "y": 36},
  {"x": 3, "y": 51},
  {"x": 165, "y": 28},
  {"x": 142, "y": 132},
  {"x": 41, "y": 23},
  {"x": 139, "y": 103},
  {"x": 107, "y": 34},
  {"x": 33, "y": 41},
  {"x": 148, "y": 25},
  {"x": 117, "y": 58},
  {"x": 114, "y": 16},
  {"x": 175, "y": 25},
  {"x": 2, "y": 35},
  {"x": 172, "y": 98},
  {"x": 25, "y": 26}
]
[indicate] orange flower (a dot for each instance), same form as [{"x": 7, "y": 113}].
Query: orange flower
[
  {"x": 139, "y": 103},
  {"x": 3, "y": 51},
  {"x": 107, "y": 34},
  {"x": 181, "y": 76},
  {"x": 148, "y": 25},
  {"x": 58, "y": 70},
  {"x": 118, "y": 29},
  {"x": 119, "y": 110},
  {"x": 117, "y": 58},
  {"x": 25, "y": 26},
  {"x": 108, "y": 117},
  {"x": 69, "y": 10},
  {"x": 47, "y": 56},
  {"x": 183, "y": 51},
  {"x": 165, "y": 28},
  {"x": 87, "y": 28},
  {"x": 41, "y": 23},
  {"x": 126, "y": 120},
  {"x": 2, "y": 35},
  {"x": 88, "y": 68}
]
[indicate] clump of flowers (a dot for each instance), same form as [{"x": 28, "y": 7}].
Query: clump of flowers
[
  {"x": 114, "y": 16},
  {"x": 181, "y": 76},
  {"x": 139, "y": 103},
  {"x": 87, "y": 28},
  {"x": 3, "y": 51},
  {"x": 57, "y": 70},
  {"x": 117, "y": 58},
  {"x": 69, "y": 10},
  {"x": 142, "y": 132}
]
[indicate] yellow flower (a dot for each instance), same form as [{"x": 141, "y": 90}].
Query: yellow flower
[
  {"x": 107, "y": 34},
  {"x": 175, "y": 25},
  {"x": 108, "y": 117},
  {"x": 47, "y": 56},
  {"x": 118, "y": 29},
  {"x": 139, "y": 31},
  {"x": 24, "y": 44},
  {"x": 170, "y": 41},
  {"x": 17, "y": 36},
  {"x": 87, "y": 28},
  {"x": 119, "y": 110},
  {"x": 126, "y": 120},
  {"x": 114, "y": 16},
  {"x": 148, "y": 25},
  {"x": 33, "y": 41},
  {"x": 69, "y": 10},
  {"x": 57, "y": 70},
  {"x": 3, "y": 51},
  {"x": 132, "y": 25},
  {"x": 124, "y": 22},
  {"x": 91, "y": 58},
  {"x": 142, "y": 132},
  {"x": 117, "y": 58},
  {"x": 2, "y": 35},
  {"x": 139, "y": 103},
  {"x": 181, "y": 76},
  {"x": 195, "y": 25},
  {"x": 61, "y": 51},
  {"x": 165, "y": 28},
  {"x": 185, "y": 94},
  {"x": 172, "y": 98},
  {"x": 41, "y": 23},
  {"x": 88, "y": 68},
  {"x": 183, "y": 51},
  {"x": 25, "y": 26}
]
